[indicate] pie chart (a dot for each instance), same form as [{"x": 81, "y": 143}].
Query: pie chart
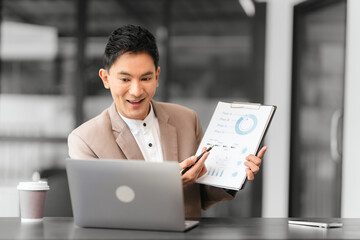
[{"x": 245, "y": 124}]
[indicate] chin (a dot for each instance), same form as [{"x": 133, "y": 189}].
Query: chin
[{"x": 138, "y": 116}]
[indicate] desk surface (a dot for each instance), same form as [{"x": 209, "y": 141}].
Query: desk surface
[{"x": 209, "y": 228}]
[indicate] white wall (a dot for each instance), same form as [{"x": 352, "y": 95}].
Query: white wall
[
  {"x": 279, "y": 25},
  {"x": 351, "y": 161}
]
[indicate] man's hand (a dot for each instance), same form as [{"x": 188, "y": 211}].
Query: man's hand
[
  {"x": 253, "y": 163},
  {"x": 196, "y": 171}
]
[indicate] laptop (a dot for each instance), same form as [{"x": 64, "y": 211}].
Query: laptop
[{"x": 127, "y": 194}]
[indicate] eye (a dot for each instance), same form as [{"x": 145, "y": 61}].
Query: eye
[
  {"x": 124, "y": 79},
  {"x": 146, "y": 78}
]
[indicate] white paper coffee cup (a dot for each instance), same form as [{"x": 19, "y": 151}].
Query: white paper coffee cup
[{"x": 32, "y": 200}]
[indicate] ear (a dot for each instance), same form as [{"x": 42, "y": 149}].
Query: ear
[
  {"x": 157, "y": 76},
  {"x": 104, "y": 75}
]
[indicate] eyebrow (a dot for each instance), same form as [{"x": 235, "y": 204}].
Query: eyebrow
[{"x": 128, "y": 74}]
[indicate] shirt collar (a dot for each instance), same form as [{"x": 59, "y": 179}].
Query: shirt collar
[{"x": 136, "y": 125}]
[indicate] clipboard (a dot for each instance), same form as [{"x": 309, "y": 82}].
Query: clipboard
[
  {"x": 253, "y": 106},
  {"x": 236, "y": 129}
]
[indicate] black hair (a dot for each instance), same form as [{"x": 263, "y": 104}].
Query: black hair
[{"x": 130, "y": 38}]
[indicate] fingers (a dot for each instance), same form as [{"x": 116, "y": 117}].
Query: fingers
[
  {"x": 203, "y": 171},
  {"x": 197, "y": 170},
  {"x": 257, "y": 159},
  {"x": 262, "y": 152},
  {"x": 253, "y": 159},
  {"x": 253, "y": 163},
  {"x": 252, "y": 167},
  {"x": 203, "y": 158},
  {"x": 250, "y": 174},
  {"x": 187, "y": 162}
]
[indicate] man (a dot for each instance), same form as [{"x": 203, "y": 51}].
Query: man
[{"x": 137, "y": 127}]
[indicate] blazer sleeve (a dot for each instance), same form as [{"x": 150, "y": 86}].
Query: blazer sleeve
[
  {"x": 213, "y": 195},
  {"x": 198, "y": 130},
  {"x": 78, "y": 148}
]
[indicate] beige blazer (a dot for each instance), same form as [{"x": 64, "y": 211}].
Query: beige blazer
[{"x": 108, "y": 137}]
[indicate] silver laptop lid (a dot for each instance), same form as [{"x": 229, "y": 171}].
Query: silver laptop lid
[{"x": 126, "y": 194}]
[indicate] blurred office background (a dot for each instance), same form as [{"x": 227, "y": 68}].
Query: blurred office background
[{"x": 288, "y": 53}]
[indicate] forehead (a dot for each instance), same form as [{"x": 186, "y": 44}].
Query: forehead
[{"x": 131, "y": 61}]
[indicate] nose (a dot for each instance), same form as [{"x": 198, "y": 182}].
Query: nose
[{"x": 136, "y": 88}]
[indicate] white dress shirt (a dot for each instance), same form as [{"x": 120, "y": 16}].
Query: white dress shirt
[{"x": 147, "y": 135}]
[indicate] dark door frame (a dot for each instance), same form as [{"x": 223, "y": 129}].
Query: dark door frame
[{"x": 300, "y": 10}]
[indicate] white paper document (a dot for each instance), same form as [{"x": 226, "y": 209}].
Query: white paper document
[{"x": 236, "y": 130}]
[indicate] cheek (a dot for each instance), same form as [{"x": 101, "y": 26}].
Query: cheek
[
  {"x": 154, "y": 87},
  {"x": 153, "y": 90},
  {"x": 117, "y": 92},
  {"x": 118, "y": 88}
]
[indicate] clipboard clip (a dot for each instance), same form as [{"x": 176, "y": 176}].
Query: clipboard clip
[{"x": 245, "y": 105}]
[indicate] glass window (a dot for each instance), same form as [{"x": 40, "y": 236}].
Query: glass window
[{"x": 37, "y": 71}]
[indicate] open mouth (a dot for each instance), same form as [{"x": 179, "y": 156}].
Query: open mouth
[{"x": 135, "y": 102}]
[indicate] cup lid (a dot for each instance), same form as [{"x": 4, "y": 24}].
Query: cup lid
[{"x": 39, "y": 186}]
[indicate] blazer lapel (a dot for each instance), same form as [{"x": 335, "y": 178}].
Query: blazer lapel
[
  {"x": 168, "y": 134},
  {"x": 124, "y": 139}
]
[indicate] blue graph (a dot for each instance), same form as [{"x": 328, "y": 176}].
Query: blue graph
[
  {"x": 245, "y": 124},
  {"x": 215, "y": 172}
]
